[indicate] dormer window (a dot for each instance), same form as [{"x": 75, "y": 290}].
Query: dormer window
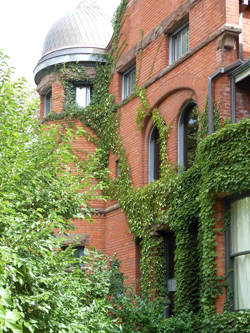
[
  {"x": 128, "y": 81},
  {"x": 47, "y": 102}
]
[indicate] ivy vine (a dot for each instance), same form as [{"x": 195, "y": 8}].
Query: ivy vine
[{"x": 182, "y": 201}]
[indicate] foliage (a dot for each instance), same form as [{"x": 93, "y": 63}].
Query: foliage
[
  {"x": 135, "y": 313},
  {"x": 183, "y": 202},
  {"x": 216, "y": 323},
  {"x": 192, "y": 134},
  {"x": 43, "y": 187}
]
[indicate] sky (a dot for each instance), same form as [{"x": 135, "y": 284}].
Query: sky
[{"x": 24, "y": 25}]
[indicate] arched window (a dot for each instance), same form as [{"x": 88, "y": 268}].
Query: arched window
[
  {"x": 154, "y": 155},
  {"x": 47, "y": 102},
  {"x": 187, "y": 135}
]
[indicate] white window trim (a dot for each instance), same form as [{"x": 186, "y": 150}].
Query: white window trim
[{"x": 171, "y": 42}]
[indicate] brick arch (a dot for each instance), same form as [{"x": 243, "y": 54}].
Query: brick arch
[
  {"x": 169, "y": 85},
  {"x": 183, "y": 96},
  {"x": 179, "y": 96},
  {"x": 165, "y": 87}
]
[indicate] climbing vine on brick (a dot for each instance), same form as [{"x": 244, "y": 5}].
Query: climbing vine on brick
[{"x": 184, "y": 202}]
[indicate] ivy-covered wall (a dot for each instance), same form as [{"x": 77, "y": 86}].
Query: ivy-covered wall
[{"x": 185, "y": 203}]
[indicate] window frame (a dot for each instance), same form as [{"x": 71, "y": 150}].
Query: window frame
[
  {"x": 47, "y": 102},
  {"x": 153, "y": 156},
  {"x": 70, "y": 92},
  {"x": 80, "y": 86},
  {"x": 71, "y": 264},
  {"x": 169, "y": 275},
  {"x": 127, "y": 90},
  {"x": 118, "y": 169},
  {"x": 229, "y": 258},
  {"x": 182, "y": 134},
  {"x": 172, "y": 42}
]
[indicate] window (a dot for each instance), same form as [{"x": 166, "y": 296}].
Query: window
[
  {"x": 154, "y": 155},
  {"x": 128, "y": 81},
  {"x": 47, "y": 102},
  {"x": 238, "y": 252},
  {"x": 187, "y": 135},
  {"x": 169, "y": 279},
  {"x": 116, "y": 278},
  {"x": 79, "y": 93},
  {"x": 118, "y": 169},
  {"x": 179, "y": 42},
  {"x": 82, "y": 96},
  {"x": 78, "y": 252}
]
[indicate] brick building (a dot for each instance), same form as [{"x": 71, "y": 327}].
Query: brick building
[{"x": 188, "y": 52}]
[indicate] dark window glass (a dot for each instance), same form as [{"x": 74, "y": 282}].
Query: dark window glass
[
  {"x": 129, "y": 81},
  {"x": 170, "y": 282},
  {"x": 47, "y": 102},
  {"x": 154, "y": 155},
  {"x": 192, "y": 127},
  {"x": 118, "y": 170},
  {"x": 78, "y": 252}
]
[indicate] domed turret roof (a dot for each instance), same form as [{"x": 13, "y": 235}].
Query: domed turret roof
[
  {"x": 85, "y": 26},
  {"x": 81, "y": 35}
]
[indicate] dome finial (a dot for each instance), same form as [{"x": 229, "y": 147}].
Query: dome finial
[{"x": 88, "y": 4}]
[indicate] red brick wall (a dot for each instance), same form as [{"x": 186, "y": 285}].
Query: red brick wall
[
  {"x": 169, "y": 92},
  {"x": 153, "y": 59},
  {"x": 246, "y": 33},
  {"x": 42, "y": 101},
  {"x": 204, "y": 19},
  {"x": 119, "y": 240},
  {"x": 242, "y": 100},
  {"x": 57, "y": 98}
]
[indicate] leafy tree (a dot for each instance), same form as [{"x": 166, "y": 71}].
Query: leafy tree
[
  {"x": 41, "y": 193},
  {"x": 43, "y": 187}
]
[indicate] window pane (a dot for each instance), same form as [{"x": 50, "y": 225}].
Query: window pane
[
  {"x": 133, "y": 79},
  {"x": 154, "y": 155},
  {"x": 129, "y": 81},
  {"x": 83, "y": 96},
  {"x": 180, "y": 43},
  {"x": 242, "y": 282},
  {"x": 240, "y": 229},
  {"x": 185, "y": 40},
  {"x": 78, "y": 252},
  {"x": 192, "y": 133},
  {"x": 47, "y": 104}
]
